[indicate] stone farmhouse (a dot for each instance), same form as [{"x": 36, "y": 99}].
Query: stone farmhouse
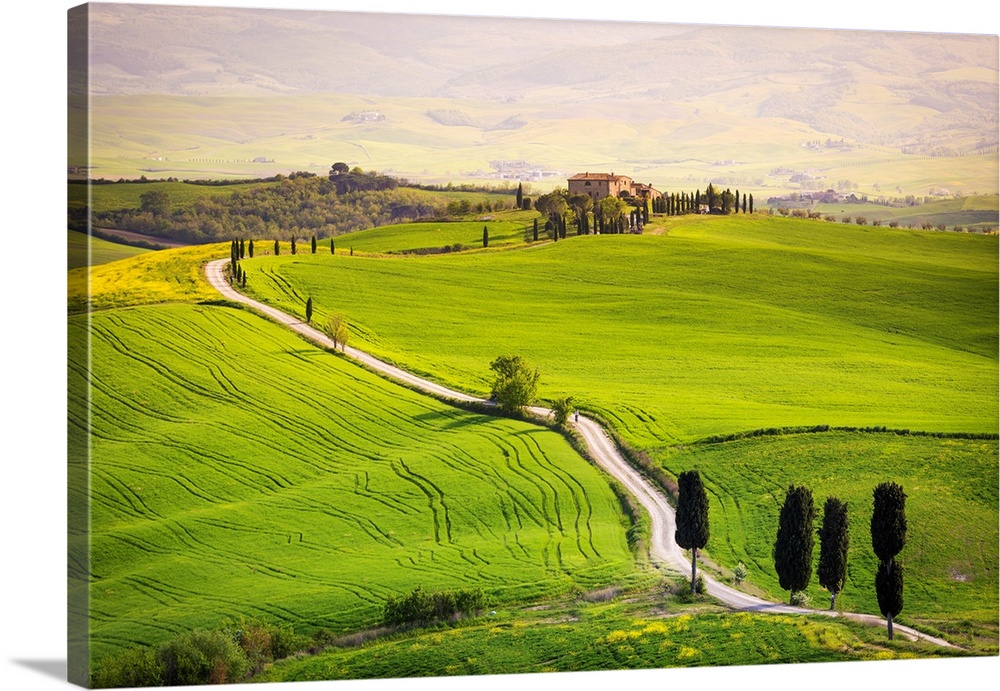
[{"x": 600, "y": 185}]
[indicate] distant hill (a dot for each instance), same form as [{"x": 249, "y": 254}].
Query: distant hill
[{"x": 609, "y": 84}]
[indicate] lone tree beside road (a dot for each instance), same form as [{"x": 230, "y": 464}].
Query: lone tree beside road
[
  {"x": 833, "y": 543},
  {"x": 794, "y": 544},
  {"x": 692, "y": 518},
  {"x": 337, "y": 330},
  {"x": 309, "y": 310},
  {"x": 888, "y": 538},
  {"x": 515, "y": 385}
]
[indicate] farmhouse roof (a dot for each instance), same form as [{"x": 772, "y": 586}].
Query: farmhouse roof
[{"x": 598, "y": 176}]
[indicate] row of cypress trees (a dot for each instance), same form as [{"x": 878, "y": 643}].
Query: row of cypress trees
[
  {"x": 680, "y": 203},
  {"x": 793, "y": 546}
]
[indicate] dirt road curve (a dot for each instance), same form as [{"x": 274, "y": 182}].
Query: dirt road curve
[{"x": 664, "y": 549}]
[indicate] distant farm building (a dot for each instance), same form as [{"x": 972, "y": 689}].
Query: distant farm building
[{"x": 600, "y": 185}]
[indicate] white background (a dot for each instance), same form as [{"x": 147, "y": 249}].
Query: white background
[{"x": 32, "y": 368}]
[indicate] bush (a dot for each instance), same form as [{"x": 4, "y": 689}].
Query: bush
[
  {"x": 422, "y": 607},
  {"x": 562, "y": 408},
  {"x": 876, "y": 222},
  {"x": 959, "y": 229},
  {"x": 740, "y": 573},
  {"x": 846, "y": 219},
  {"x": 830, "y": 218},
  {"x": 799, "y": 213},
  {"x": 942, "y": 226},
  {"x": 893, "y": 224},
  {"x": 203, "y": 657},
  {"x": 783, "y": 211},
  {"x": 132, "y": 668},
  {"x": 800, "y": 599},
  {"x": 861, "y": 220}
]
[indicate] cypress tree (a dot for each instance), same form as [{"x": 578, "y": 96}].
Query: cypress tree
[
  {"x": 697, "y": 201},
  {"x": 250, "y": 249},
  {"x": 314, "y": 244},
  {"x": 331, "y": 246},
  {"x": 833, "y": 543},
  {"x": 243, "y": 248},
  {"x": 520, "y": 195},
  {"x": 275, "y": 248},
  {"x": 486, "y": 237},
  {"x": 534, "y": 230},
  {"x": 888, "y": 520},
  {"x": 744, "y": 202},
  {"x": 888, "y": 539},
  {"x": 889, "y": 590},
  {"x": 309, "y": 310},
  {"x": 751, "y": 203},
  {"x": 692, "y": 518},
  {"x": 737, "y": 204},
  {"x": 794, "y": 544},
  {"x": 244, "y": 279},
  {"x": 293, "y": 244}
]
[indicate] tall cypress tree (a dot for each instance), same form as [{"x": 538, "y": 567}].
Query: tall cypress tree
[
  {"x": 250, "y": 249},
  {"x": 751, "y": 203},
  {"x": 309, "y": 310},
  {"x": 243, "y": 248},
  {"x": 520, "y": 195},
  {"x": 692, "y": 518},
  {"x": 737, "y": 203},
  {"x": 744, "y": 202},
  {"x": 314, "y": 244},
  {"x": 534, "y": 230},
  {"x": 275, "y": 248},
  {"x": 888, "y": 539},
  {"x": 833, "y": 543},
  {"x": 331, "y": 246},
  {"x": 293, "y": 244},
  {"x": 794, "y": 544},
  {"x": 486, "y": 237}
]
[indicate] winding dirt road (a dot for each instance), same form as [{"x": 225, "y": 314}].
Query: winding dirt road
[{"x": 664, "y": 549}]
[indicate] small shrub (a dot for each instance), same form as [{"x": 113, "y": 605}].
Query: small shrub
[
  {"x": 783, "y": 211},
  {"x": 815, "y": 215},
  {"x": 799, "y": 213},
  {"x": 845, "y": 219},
  {"x": 861, "y": 220},
  {"x": 830, "y": 218},
  {"x": 927, "y": 225},
  {"x": 942, "y": 226},
  {"x": 959, "y": 229},
  {"x": 893, "y": 224},
  {"x": 740, "y": 573},
  {"x": 800, "y": 599},
  {"x": 876, "y": 222}
]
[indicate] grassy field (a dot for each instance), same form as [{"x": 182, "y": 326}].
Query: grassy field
[
  {"x": 621, "y": 635},
  {"x": 951, "y": 485},
  {"x": 237, "y": 470},
  {"x": 968, "y": 212},
  {"x": 101, "y": 251},
  {"x": 128, "y": 195},
  {"x": 715, "y": 326},
  {"x": 417, "y": 236},
  {"x": 153, "y": 277}
]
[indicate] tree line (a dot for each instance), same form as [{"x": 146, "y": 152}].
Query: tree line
[
  {"x": 793, "y": 545},
  {"x": 710, "y": 201},
  {"x": 301, "y": 204}
]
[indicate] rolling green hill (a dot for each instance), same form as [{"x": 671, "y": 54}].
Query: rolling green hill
[
  {"x": 101, "y": 251},
  {"x": 717, "y": 325},
  {"x": 237, "y": 470}
]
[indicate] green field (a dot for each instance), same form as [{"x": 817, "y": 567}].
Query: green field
[
  {"x": 600, "y": 637},
  {"x": 722, "y": 325},
  {"x": 950, "y": 558},
  {"x": 716, "y": 326},
  {"x": 976, "y": 212},
  {"x": 455, "y": 235},
  {"x": 101, "y": 251},
  {"x": 237, "y": 470},
  {"x": 113, "y": 197}
]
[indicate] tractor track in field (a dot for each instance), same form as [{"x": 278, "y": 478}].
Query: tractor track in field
[{"x": 664, "y": 550}]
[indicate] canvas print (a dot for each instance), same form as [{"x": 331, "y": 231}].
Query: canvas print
[{"x": 422, "y": 346}]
